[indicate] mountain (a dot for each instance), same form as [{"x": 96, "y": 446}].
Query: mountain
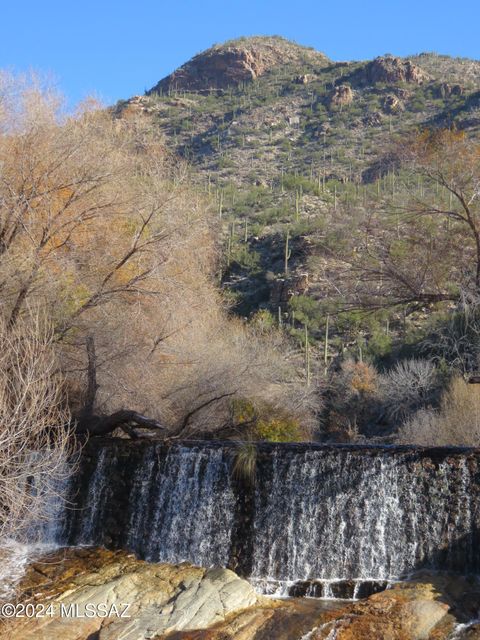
[
  {"x": 236, "y": 62},
  {"x": 278, "y": 133},
  {"x": 262, "y": 105}
]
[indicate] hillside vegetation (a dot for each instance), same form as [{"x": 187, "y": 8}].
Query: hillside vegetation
[
  {"x": 267, "y": 245},
  {"x": 334, "y": 222}
]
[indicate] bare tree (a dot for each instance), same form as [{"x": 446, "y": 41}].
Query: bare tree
[
  {"x": 407, "y": 387},
  {"x": 35, "y": 441},
  {"x": 420, "y": 246},
  {"x": 99, "y": 227}
]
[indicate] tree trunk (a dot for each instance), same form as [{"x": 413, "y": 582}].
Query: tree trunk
[
  {"x": 93, "y": 425},
  {"x": 87, "y": 423}
]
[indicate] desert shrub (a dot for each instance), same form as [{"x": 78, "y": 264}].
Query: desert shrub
[
  {"x": 293, "y": 182},
  {"x": 245, "y": 258},
  {"x": 243, "y": 411},
  {"x": 265, "y": 421},
  {"x": 417, "y": 104},
  {"x": 363, "y": 379},
  {"x": 409, "y": 386},
  {"x": 307, "y": 311},
  {"x": 456, "y": 422},
  {"x": 379, "y": 344},
  {"x": 263, "y": 320},
  {"x": 280, "y": 429},
  {"x": 225, "y": 162},
  {"x": 353, "y": 399}
]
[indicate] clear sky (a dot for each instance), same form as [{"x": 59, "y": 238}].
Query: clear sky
[{"x": 115, "y": 49}]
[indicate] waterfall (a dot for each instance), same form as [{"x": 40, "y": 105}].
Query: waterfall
[
  {"x": 49, "y": 528},
  {"x": 179, "y": 504},
  {"x": 97, "y": 498},
  {"x": 318, "y": 520},
  {"x": 44, "y": 533},
  {"x": 182, "y": 509},
  {"x": 354, "y": 516}
]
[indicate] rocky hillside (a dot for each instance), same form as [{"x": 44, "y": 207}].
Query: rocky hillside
[
  {"x": 278, "y": 135},
  {"x": 250, "y": 109},
  {"x": 235, "y": 62}
]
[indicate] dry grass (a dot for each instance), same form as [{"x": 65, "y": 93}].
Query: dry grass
[{"x": 457, "y": 422}]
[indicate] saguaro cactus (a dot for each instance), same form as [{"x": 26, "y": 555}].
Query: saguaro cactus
[
  {"x": 307, "y": 358},
  {"x": 288, "y": 251},
  {"x": 325, "y": 352}
]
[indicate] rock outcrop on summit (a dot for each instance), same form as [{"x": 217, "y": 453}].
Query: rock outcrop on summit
[{"x": 235, "y": 62}]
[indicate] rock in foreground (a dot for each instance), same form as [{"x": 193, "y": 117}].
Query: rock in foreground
[
  {"x": 183, "y": 602},
  {"x": 406, "y": 612},
  {"x": 162, "y": 597}
]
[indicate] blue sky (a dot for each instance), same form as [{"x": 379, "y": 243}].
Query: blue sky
[{"x": 115, "y": 49}]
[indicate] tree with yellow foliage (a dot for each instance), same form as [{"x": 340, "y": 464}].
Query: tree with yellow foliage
[{"x": 100, "y": 228}]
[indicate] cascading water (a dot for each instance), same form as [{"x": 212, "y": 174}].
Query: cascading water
[
  {"x": 44, "y": 533},
  {"x": 180, "y": 504},
  {"x": 182, "y": 507},
  {"x": 97, "y": 499},
  {"x": 361, "y": 517},
  {"x": 48, "y": 528},
  {"x": 316, "y": 516}
]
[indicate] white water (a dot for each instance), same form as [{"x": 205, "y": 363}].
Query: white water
[
  {"x": 327, "y": 520},
  {"x": 14, "y": 558},
  {"x": 322, "y": 515},
  {"x": 180, "y": 506},
  {"x": 359, "y": 517},
  {"x": 461, "y": 630},
  {"x": 97, "y": 498},
  {"x": 193, "y": 508},
  {"x": 42, "y": 536}
]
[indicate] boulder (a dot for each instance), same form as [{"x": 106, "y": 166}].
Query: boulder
[
  {"x": 284, "y": 289},
  {"x": 341, "y": 95},
  {"x": 372, "y": 119},
  {"x": 391, "y": 70},
  {"x": 445, "y": 90},
  {"x": 161, "y": 597},
  {"x": 408, "y": 611},
  {"x": 304, "y": 78},
  {"x": 183, "y": 602},
  {"x": 392, "y": 104}
]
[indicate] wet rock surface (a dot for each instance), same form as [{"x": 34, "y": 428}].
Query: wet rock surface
[
  {"x": 183, "y": 602},
  {"x": 410, "y": 611},
  {"x": 161, "y": 597}
]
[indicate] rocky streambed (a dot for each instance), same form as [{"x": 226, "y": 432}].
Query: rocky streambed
[{"x": 184, "y": 602}]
